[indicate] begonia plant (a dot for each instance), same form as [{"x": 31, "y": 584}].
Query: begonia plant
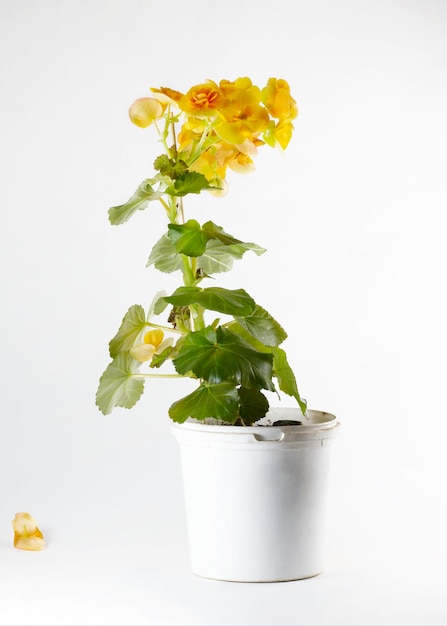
[{"x": 220, "y": 337}]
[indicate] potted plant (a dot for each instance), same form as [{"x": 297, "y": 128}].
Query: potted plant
[{"x": 245, "y": 464}]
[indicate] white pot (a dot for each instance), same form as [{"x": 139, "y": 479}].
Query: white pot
[{"x": 255, "y": 497}]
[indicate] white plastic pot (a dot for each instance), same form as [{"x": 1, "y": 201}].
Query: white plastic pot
[{"x": 255, "y": 497}]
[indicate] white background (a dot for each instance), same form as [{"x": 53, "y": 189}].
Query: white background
[{"x": 353, "y": 216}]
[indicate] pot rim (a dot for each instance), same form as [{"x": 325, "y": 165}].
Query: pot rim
[{"x": 318, "y": 426}]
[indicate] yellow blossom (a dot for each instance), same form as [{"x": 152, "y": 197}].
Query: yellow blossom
[
  {"x": 153, "y": 343},
  {"x": 144, "y": 111},
  {"x": 167, "y": 95},
  {"x": 241, "y": 84},
  {"x": 154, "y": 337},
  {"x": 278, "y": 101},
  {"x": 241, "y": 163},
  {"x": 242, "y": 117},
  {"x": 283, "y": 133},
  {"x": 209, "y": 166},
  {"x": 190, "y": 134},
  {"x": 27, "y": 535},
  {"x": 202, "y": 100}
]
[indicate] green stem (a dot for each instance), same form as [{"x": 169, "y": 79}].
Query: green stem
[
  {"x": 166, "y": 206},
  {"x": 166, "y": 328},
  {"x": 199, "y": 146},
  {"x": 188, "y": 274},
  {"x": 163, "y": 135}
]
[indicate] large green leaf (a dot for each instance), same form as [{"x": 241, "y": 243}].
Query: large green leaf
[
  {"x": 140, "y": 199},
  {"x": 164, "y": 256},
  {"x": 222, "y": 248},
  {"x": 213, "y": 231},
  {"x": 218, "y": 355},
  {"x": 119, "y": 386},
  {"x": 243, "y": 333},
  {"x": 188, "y": 238},
  {"x": 229, "y": 301},
  {"x": 219, "y": 401},
  {"x": 263, "y": 327},
  {"x": 189, "y": 182},
  {"x": 286, "y": 377},
  {"x": 219, "y": 257},
  {"x": 132, "y": 325},
  {"x": 214, "y": 248}
]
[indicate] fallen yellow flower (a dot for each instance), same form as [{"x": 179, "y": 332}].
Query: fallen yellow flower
[{"x": 27, "y": 535}]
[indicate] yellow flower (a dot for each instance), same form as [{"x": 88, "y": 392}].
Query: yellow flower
[
  {"x": 165, "y": 94},
  {"x": 239, "y": 158},
  {"x": 26, "y": 534},
  {"x": 154, "y": 337},
  {"x": 202, "y": 100},
  {"x": 278, "y": 101},
  {"x": 283, "y": 133},
  {"x": 208, "y": 165},
  {"x": 229, "y": 86},
  {"x": 243, "y": 117},
  {"x": 190, "y": 134},
  {"x": 152, "y": 344},
  {"x": 144, "y": 111},
  {"x": 241, "y": 163}
]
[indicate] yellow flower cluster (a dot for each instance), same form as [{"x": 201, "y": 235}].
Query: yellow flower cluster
[{"x": 223, "y": 124}]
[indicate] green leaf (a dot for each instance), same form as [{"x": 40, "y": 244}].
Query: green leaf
[
  {"x": 229, "y": 301},
  {"x": 216, "y": 258},
  {"x": 159, "y": 359},
  {"x": 188, "y": 238},
  {"x": 170, "y": 167},
  {"x": 189, "y": 182},
  {"x": 263, "y": 327},
  {"x": 118, "y": 385},
  {"x": 213, "y": 231},
  {"x": 218, "y": 355},
  {"x": 253, "y": 405},
  {"x": 219, "y": 401},
  {"x": 159, "y": 305},
  {"x": 164, "y": 256},
  {"x": 132, "y": 325},
  {"x": 243, "y": 333},
  {"x": 139, "y": 201},
  {"x": 286, "y": 378},
  {"x": 219, "y": 257},
  {"x": 153, "y": 305},
  {"x": 215, "y": 250}
]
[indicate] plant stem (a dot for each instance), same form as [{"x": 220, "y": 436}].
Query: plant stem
[
  {"x": 166, "y": 206},
  {"x": 188, "y": 274},
  {"x": 166, "y": 328}
]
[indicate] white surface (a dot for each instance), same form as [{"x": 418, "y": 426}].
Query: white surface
[{"x": 354, "y": 221}]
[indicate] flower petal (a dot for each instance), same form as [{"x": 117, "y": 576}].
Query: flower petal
[
  {"x": 27, "y": 535},
  {"x": 142, "y": 352},
  {"x": 154, "y": 337},
  {"x": 144, "y": 111}
]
